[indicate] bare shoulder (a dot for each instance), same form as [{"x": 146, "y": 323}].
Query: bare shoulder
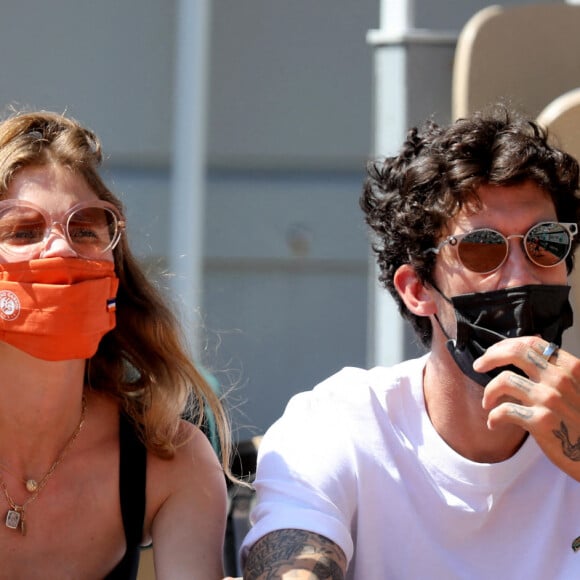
[
  {"x": 306, "y": 554},
  {"x": 195, "y": 449},
  {"x": 192, "y": 483},
  {"x": 194, "y": 462}
]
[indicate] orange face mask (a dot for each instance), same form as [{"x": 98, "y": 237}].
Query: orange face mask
[{"x": 57, "y": 308}]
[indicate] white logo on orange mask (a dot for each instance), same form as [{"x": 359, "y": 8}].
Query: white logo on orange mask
[{"x": 9, "y": 305}]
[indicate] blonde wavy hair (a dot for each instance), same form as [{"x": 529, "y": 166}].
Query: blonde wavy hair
[{"x": 142, "y": 362}]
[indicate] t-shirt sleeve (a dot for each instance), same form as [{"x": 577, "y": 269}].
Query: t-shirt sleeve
[{"x": 306, "y": 475}]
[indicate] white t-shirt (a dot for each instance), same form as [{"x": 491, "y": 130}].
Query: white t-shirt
[{"x": 357, "y": 460}]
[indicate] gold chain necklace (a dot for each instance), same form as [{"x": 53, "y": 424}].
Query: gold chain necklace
[
  {"x": 16, "y": 515},
  {"x": 29, "y": 483}
]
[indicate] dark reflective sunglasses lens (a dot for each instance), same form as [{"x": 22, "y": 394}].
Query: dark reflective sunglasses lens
[
  {"x": 547, "y": 244},
  {"x": 482, "y": 251}
]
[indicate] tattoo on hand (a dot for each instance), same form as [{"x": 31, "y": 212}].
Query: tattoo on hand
[
  {"x": 537, "y": 359},
  {"x": 521, "y": 412},
  {"x": 571, "y": 450},
  {"x": 521, "y": 383},
  {"x": 283, "y": 551}
]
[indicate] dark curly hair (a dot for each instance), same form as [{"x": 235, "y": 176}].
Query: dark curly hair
[{"x": 408, "y": 199}]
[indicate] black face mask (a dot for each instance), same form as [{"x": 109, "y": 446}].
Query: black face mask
[{"x": 484, "y": 318}]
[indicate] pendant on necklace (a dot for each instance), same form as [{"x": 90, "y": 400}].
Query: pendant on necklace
[
  {"x": 12, "y": 519},
  {"x": 31, "y": 485}
]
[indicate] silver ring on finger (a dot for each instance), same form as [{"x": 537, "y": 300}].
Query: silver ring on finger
[{"x": 550, "y": 350}]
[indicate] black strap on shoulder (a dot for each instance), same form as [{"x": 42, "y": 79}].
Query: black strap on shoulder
[{"x": 132, "y": 488}]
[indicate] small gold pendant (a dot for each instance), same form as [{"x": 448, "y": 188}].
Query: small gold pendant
[
  {"x": 12, "y": 519},
  {"x": 31, "y": 485}
]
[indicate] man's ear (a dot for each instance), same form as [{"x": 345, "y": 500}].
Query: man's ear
[{"x": 417, "y": 297}]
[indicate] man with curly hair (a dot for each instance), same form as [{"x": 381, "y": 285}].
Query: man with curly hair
[{"x": 465, "y": 462}]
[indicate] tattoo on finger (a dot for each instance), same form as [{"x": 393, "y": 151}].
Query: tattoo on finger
[
  {"x": 537, "y": 359},
  {"x": 522, "y": 383},
  {"x": 522, "y": 412}
]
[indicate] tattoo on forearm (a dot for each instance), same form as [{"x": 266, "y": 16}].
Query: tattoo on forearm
[
  {"x": 570, "y": 450},
  {"x": 283, "y": 551},
  {"x": 537, "y": 359}
]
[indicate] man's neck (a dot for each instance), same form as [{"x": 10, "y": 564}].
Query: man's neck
[{"x": 453, "y": 403}]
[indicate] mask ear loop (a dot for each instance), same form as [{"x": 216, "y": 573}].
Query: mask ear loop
[{"x": 445, "y": 333}]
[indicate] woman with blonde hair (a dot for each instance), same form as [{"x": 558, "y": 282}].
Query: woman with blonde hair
[{"x": 96, "y": 458}]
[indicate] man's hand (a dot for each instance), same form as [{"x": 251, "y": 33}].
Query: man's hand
[{"x": 547, "y": 404}]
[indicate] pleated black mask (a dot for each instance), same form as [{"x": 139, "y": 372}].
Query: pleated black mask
[{"x": 484, "y": 318}]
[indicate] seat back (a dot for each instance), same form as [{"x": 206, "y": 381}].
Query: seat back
[
  {"x": 561, "y": 118},
  {"x": 526, "y": 55}
]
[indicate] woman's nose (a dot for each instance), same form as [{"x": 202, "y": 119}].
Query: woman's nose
[{"x": 56, "y": 244}]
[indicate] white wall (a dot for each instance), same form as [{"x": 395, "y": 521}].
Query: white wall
[
  {"x": 290, "y": 83},
  {"x": 289, "y": 133},
  {"x": 108, "y": 63}
]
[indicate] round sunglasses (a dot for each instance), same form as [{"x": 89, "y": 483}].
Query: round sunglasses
[
  {"x": 91, "y": 228},
  {"x": 484, "y": 250}
]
